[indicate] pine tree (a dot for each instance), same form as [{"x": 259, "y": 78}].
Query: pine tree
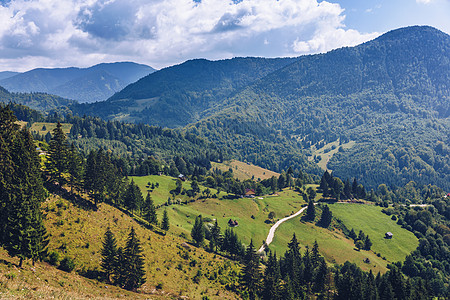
[
  {"x": 326, "y": 217},
  {"x": 272, "y": 279},
  {"x": 215, "y": 236},
  {"x": 311, "y": 211},
  {"x": 251, "y": 273},
  {"x": 165, "y": 221},
  {"x": 75, "y": 168},
  {"x": 134, "y": 262},
  {"x": 150, "y": 210},
  {"x": 321, "y": 276},
  {"x": 198, "y": 232},
  {"x": 57, "y": 161},
  {"x": 367, "y": 243},
  {"x": 120, "y": 268},
  {"x": 109, "y": 253},
  {"x": 26, "y": 235},
  {"x": 132, "y": 198}
]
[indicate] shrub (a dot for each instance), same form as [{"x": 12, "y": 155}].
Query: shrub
[
  {"x": 53, "y": 258},
  {"x": 67, "y": 264}
]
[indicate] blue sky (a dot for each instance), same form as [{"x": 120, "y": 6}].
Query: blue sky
[{"x": 62, "y": 33}]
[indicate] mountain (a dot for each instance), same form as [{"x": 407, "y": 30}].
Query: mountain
[
  {"x": 7, "y": 74},
  {"x": 391, "y": 96},
  {"x": 179, "y": 95},
  {"x": 91, "y": 84},
  {"x": 39, "y": 101},
  {"x": 388, "y": 98}
]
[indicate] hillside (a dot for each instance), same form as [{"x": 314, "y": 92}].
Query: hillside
[
  {"x": 38, "y": 101},
  {"x": 390, "y": 96},
  {"x": 179, "y": 95},
  {"x": 91, "y": 84}
]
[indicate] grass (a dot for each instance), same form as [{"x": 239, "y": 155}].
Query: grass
[
  {"x": 78, "y": 233},
  {"x": 38, "y": 126},
  {"x": 243, "y": 171},
  {"x": 374, "y": 223},
  {"x": 333, "y": 245},
  {"x": 327, "y": 152}
]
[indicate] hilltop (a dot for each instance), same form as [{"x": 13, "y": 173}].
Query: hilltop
[{"x": 91, "y": 84}]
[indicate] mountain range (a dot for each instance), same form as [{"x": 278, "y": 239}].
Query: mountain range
[
  {"x": 91, "y": 84},
  {"x": 390, "y": 96}
]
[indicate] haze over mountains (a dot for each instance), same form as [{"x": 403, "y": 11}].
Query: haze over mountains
[{"x": 91, "y": 84}]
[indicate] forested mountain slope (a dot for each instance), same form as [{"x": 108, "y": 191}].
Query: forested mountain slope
[
  {"x": 91, "y": 84},
  {"x": 179, "y": 95},
  {"x": 390, "y": 95}
]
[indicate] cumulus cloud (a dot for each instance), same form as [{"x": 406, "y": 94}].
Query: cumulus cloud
[{"x": 162, "y": 32}]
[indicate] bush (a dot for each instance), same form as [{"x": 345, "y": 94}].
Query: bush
[
  {"x": 53, "y": 258},
  {"x": 67, "y": 264}
]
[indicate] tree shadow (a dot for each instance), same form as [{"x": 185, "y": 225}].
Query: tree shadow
[{"x": 76, "y": 199}]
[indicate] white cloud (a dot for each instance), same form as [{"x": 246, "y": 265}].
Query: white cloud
[
  {"x": 162, "y": 32},
  {"x": 424, "y": 1}
]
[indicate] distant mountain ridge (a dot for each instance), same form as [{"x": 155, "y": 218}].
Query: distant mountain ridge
[
  {"x": 390, "y": 95},
  {"x": 91, "y": 84}
]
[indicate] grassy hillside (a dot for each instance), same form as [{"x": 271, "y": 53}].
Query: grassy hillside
[
  {"x": 78, "y": 233},
  {"x": 243, "y": 171},
  {"x": 39, "y": 126},
  {"x": 374, "y": 223}
]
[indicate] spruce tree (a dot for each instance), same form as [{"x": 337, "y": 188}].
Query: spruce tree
[
  {"x": 57, "y": 158},
  {"x": 109, "y": 253},
  {"x": 311, "y": 211},
  {"x": 326, "y": 217},
  {"x": 272, "y": 279},
  {"x": 134, "y": 262},
  {"x": 75, "y": 168},
  {"x": 198, "y": 232},
  {"x": 26, "y": 235},
  {"x": 165, "y": 221},
  {"x": 215, "y": 236},
  {"x": 120, "y": 268},
  {"x": 133, "y": 197},
  {"x": 251, "y": 272},
  {"x": 150, "y": 210}
]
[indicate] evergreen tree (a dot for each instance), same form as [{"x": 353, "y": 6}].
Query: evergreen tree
[
  {"x": 25, "y": 235},
  {"x": 272, "y": 279},
  {"x": 311, "y": 211},
  {"x": 120, "y": 268},
  {"x": 165, "y": 221},
  {"x": 215, "y": 236},
  {"x": 132, "y": 198},
  {"x": 198, "y": 232},
  {"x": 321, "y": 276},
  {"x": 109, "y": 253},
  {"x": 251, "y": 272},
  {"x": 150, "y": 210},
  {"x": 352, "y": 234},
  {"x": 367, "y": 243},
  {"x": 134, "y": 262},
  {"x": 57, "y": 158},
  {"x": 326, "y": 217},
  {"x": 75, "y": 168}
]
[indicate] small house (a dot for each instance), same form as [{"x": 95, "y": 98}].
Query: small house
[
  {"x": 182, "y": 177},
  {"x": 388, "y": 235},
  {"x": 249, "y": 193}
]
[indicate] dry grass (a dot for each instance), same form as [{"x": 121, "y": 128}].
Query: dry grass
[{"x": 242, "y": 170}]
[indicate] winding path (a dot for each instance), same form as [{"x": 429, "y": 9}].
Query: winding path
[{"x": 275, "y": 226}]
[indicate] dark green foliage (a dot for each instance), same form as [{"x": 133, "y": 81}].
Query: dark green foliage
[
  {"x": 198, "y": 231},
  {"x": 22, "y": 232},
  {"x": 150, "y": 210},
  {"x": 109, "y": 254},
  {"x": 132, "y": 198},
  {"x": 134, "y": 263},
  {"x": 58, "y": 156},
  {"x": 272, "y": 288},
  {"x": 232, "y": 244},
  {"x": 310, "y": 211},
  {"x": 67, "y": 264},
  {"x": 75, "y": 168},
  {"x": 165, "y": 221},
  {"x": 251, "y": 272},
  {"x": 326, "y": 217}
]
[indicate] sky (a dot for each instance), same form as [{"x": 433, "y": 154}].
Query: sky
[{"x": 160, "y": 33}]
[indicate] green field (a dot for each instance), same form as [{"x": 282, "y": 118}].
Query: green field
[
  {"x": 333, "y": 245},
  {"x": 38, "y": 126},
  {"x": 374, "y": 223}
]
